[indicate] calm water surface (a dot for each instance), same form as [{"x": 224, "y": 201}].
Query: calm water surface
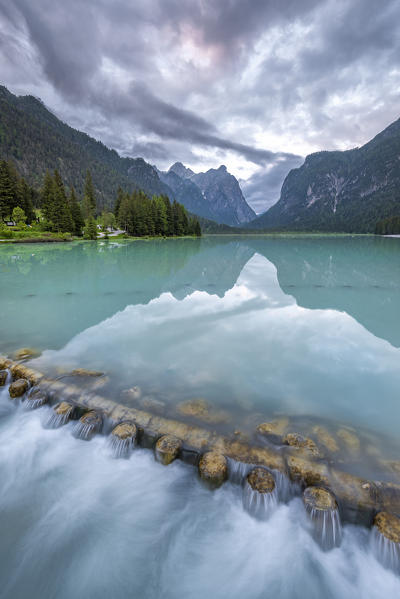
[{"x": 306, "y": 327}]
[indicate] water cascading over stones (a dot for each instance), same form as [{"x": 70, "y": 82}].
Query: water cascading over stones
[
  {"x": 260, "y": 493},
  {"x": 322, "y": 508},
  {"x": 386, "y": 540}
]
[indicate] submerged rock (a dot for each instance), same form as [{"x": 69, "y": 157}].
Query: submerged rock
[
  {"x": 273, "y": 430},
  {"x": 202, "y": 410},
  {"x": 3, "y": 377},
  {"x": 85, "y": 372},
  {"x": 259, "y": 493},
  {"x": 322, "y": 508},
  {"x": 88, "y": 425},
  {"x": 36, "y": 398},
  {"x": 350, "y": 440},
  {"x": 386, "y": 540},
  {"x": 20, "y": 371},
  {"x": 18, "y": 388},
  {"x": 167, "y": 449},
  {"x": 213, "y": 468},
  {"x": 297, "y": 440},
  {"x": 306, "y": 471},
  {"x": 123, "y": 439},
  {"x": 26, "y": 353},
  {"x": 326, "y": 439}
]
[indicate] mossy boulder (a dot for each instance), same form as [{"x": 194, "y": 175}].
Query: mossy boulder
[
  {"x": 351, "y": 442},
  {"x": 303, "y": 443},
  {"x": 200, "y": 409},
  {"x": 3, "y": 377},
  {"x": 26, "y": 353},
  {"x": 125, "y": 430},
  {"x": 18, "y": 388},
  {"x": 261, "y": 480},
  {"x": 167, "y": 449},
  {"x": 318, "y": 498},
  {"x": 273, "y": 430},
  {"x": 388, "y": 525},
  {"x": 325, "y": 438},
  {"x": 213, "y": 468}
]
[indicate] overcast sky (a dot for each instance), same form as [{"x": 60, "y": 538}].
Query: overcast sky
[{"x": 253, "y": 84}]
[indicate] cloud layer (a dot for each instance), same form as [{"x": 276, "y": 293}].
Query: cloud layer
[{"x": 255, "y": 84}]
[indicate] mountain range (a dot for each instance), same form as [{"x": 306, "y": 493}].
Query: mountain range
[
  {"x": 348, "y": 191},
  {"x": 215, "y": 194},
  {"x": 36, "y": 140}
]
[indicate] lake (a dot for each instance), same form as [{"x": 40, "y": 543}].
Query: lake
[{"x": 260, "y": 328}]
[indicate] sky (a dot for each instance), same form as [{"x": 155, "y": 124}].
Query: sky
[{"x": 252, "y": 84}]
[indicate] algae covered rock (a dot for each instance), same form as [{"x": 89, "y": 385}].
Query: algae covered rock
[
  {"x": 36, "y": 398},
  {"x": 306, "y": 471},
  {"x": 261, "y": 480},
  {"x": 85, "y": 372},
  {"x": 3, "y": 377},
  {"x": 18, "y": 388},
  {"x": 60, "y": 415},
  {"x": 322, "y": 509},
  {"x": 297, "y": 440},
  {"x": 202, "y": 410},
  {"x": 123, "y": 439},
  {"x": 167, "y": 449},
  {"x": 325, "y": 438},
  {"x": 213, "y": 468},
  {"x": 350, "y": 440},
  {"x": 388, "y": 525},
  {"x": 26, "y": 353},
  {"x": 88, "y": 425},
  {"x": 273, "y": 430}
]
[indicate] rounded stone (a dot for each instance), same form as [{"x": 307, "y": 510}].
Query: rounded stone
[
  {"x": 297, "y": 440},
  {"x": 26, "y": 353},
  {"x": 261, "y": 480},
  {"x": 18, "y": 388},
  {"x": 213, "y": 468},
  {"x": 36, "y": 398},
  {"x": 63, "y": 409},
  {"x": 318, "y": 498},
  {"x": 124, "y": 431},
  {"x": 167, "y": 449},
  {"x": 388, "y": 525},
  {"x": 3, "y": 377}
]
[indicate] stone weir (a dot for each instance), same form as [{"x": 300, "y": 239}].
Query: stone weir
[{"x": 216, "y": 456}]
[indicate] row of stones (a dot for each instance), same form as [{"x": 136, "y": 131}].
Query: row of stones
[{"x": 212, "y": 464}]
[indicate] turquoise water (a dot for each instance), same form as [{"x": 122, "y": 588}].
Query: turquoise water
[
  {"x": 300, "y": 326},
  {"x": 305, "y": 327}
]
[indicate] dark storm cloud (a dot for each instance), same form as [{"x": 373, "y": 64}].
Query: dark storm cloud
[{"x": 201, "y": 78}]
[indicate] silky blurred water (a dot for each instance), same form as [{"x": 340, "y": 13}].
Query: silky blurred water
[
  {"x": 77, "y": 523},
  {"x": 305, "y": 327}
]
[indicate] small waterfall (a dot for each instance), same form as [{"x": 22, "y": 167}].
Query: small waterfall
[
  {"x": 237, "y": 471},
  {"x": 120, "y": 448},
  {"x": 259, "y": 504},
  {"x": 285, "y": 487},
  {"x": 35, "y": 398},
  {"x": 322, "y": 508},
  {"x": 386, "y": 551},
  {"x": 59, "y": 416},
  {"x": 88, "y": 426}
]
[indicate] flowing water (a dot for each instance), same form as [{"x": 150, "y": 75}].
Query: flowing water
[{"x": 307, "y": 328}]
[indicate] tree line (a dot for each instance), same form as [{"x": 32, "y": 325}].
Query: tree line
[
  {"x": 139, "y": 215},
  {"x": 60, "y": 211},
  {"x": 388, "y": 226}
]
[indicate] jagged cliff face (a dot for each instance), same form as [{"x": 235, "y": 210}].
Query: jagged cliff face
[
  {"x": 341, "y": 191},
  {"x": 215, "y": 194}
]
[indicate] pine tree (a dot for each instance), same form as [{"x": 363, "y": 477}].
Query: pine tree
[
  {"x": 24, "y": 193},
  {"x": 61, "y": 218},
  {"x": 89, "y": 198},
  {"x": 7, "y": 191},
  {"x": 47, "y": 199},
  {"x": 76, "y": 213},
  {"x": 120, "y": 195},
  {"x": 91, "y": 229}
]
